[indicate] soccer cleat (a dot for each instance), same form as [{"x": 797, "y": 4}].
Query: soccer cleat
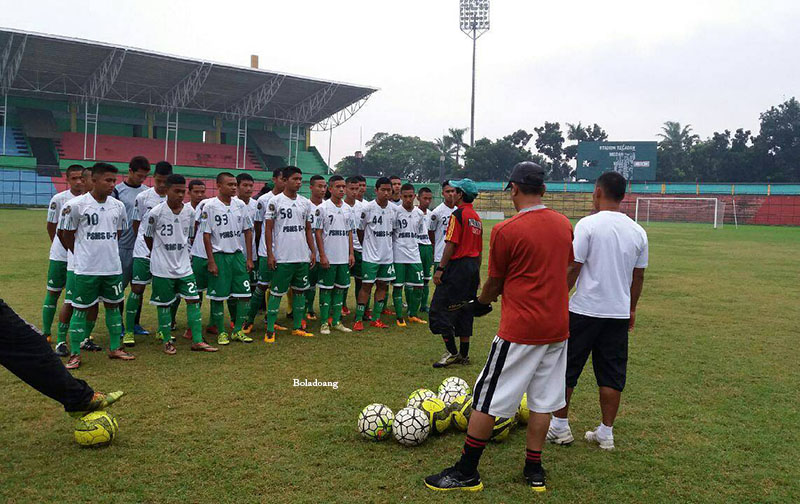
[
  {"x": 325, "y": 328},
  {"x": 74, "y": 361},
  {"x": 345, "y": 311},
  {"x": 49, "y": 338},
  {"x": 169, "y": 348},
  {"x": 202, "y": 346},
  {"x": 447, "y": 360},
  {"x": 341, "y": 328},
  {"x": 187, "y": 334},
  {"x": 241, "y": 337},
  {"x": 536, "y": 478},
  {"x": 417, "y": 320},
  {"x": 311, "y": 316},
  {"x": 401, "y": 323},
  {"x": 302, "y": 333},
  {"x": 269, "y": 337},
  {"x": 62, "y": 350},
  {"x": 99, "y": 401},
  {"x": 212, "y": 330},
  {"x": 387, "y": 311},
  {"x": 464, "y": 361},
  {"x": 120, "y": 354},
  {"x": 90, "y": 346},
  {"x": 247, "y": 327},
  {"x": 452, "y": 479},
  {"x": 222, "y": 339},
  {"x": 280, "y": 327},
  {"x": 559, "y": 437},
  {"x": 128, "y": 339},
  {"x": 140, "y": 331},
  {"x": 378, "y": 323},
  {"x": 303, "y": 324},
  {"x": 605, "y": 443},
  {"x": 358, "y": 326}
]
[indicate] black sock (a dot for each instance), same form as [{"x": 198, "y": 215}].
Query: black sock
[
  {"x": 464, "y": 348},
  {"x": 533, "y": 459},
  {"x": 450, "y": 343},
  {"x": 471, "y": 455}
]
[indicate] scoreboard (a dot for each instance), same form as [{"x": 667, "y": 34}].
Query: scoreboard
[{"x": 634, "y": 160}]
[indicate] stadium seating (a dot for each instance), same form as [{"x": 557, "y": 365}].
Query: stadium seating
[{"x": 15, "y": 142}]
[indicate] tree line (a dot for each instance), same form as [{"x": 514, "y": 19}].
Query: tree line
[{"x": 773, "y": 155}]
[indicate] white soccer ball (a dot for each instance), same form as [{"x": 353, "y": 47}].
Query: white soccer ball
[
  {"x": 449, "y": 394},
  {"x": 411, "y": 426},
  {"x": 455, "y": 382},
  {"x": 419, "y": 396},
  {"x": 375, "y": 422}
]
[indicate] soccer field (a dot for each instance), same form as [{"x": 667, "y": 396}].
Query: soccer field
[{"x": 710, "y": 412}]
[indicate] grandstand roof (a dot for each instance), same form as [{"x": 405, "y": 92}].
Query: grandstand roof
[{"x": 41, "y": 64}]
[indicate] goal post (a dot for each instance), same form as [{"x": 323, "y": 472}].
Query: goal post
[{"x": 684, "y": 209}]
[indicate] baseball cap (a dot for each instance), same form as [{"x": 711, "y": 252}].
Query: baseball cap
[
  {"x": 528, "y": 173},
  {"x": 466, "y": 185}
]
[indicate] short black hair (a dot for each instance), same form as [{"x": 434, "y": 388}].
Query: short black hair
[
  {"x": 277, "y": 172},
  {"x": 394, "y": 177},
  {"x": 195, "y": 183},
  {"x": 314, "y": 178},
  {"x": 407, "y": 187},
  {"x": 466, "y": 198},
  {"x": 175, "y": 179},
  {"x": 242, "y": 177},
  {"x": 222, "y": 176},
  {"x": 103, "y": 168},
  {"x": 335, "y": 178},
  {"x": 381, "y": 181},
  {"x": 350, "y": 180},
  {"x": 424, "y": 190},
  {"x": 163, "y": 168},
  {"x": 139, "y": 163},
  {"x": 73, "y": 168},
  {"x": 361, "y": 178},
  {"x": 613, "y": 185},
  {"x": 530, "y": 189},
  {"x": 445, "y": 184},
  {"x": 291, "y": 170}
]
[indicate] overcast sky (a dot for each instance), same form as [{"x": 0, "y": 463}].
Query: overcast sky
[{"x": 627, "y": 65}]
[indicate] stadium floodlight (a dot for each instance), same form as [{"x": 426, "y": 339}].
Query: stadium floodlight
[{"x": 474, "y": 20}]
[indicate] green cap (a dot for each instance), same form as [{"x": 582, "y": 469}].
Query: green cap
[{"x": 466, "y": 185}]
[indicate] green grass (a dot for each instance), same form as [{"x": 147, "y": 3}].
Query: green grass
[{"x": 710, "y": 413}]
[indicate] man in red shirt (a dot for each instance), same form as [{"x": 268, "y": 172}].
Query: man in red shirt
[
  {"x": 457, "y": 276},
  {"x": 528, "y": 259}
]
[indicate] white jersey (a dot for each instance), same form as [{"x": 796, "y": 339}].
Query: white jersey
[
  {"x": 145, "y": 201},
  {"x": 397, "y": 203},
  {"x": 225, "y": 223},
  {"x": 251, "y": 207},
  {"x": 355, "y": 210},
  {"x": 57, "y": 250},
  {"x": 440, "y": 218},
  {"x": 424, "y": 239},
  {"x": 313, "y": 220},
  {"x": 97, "y": 229},
  {"x": 171, "y": 234},
  {"x": 377, "y": 224},
  {"x": 261, "y": 211},
  {"x": 70, "y": 255},
  {"x": 408, "y": 225},
  {"x": 198, "y": 248},
  {"x": 336, "y": 223},
  {"x": 289, "y": 220}
]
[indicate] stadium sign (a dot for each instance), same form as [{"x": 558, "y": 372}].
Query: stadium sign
[{"x": 634, "y": 160}]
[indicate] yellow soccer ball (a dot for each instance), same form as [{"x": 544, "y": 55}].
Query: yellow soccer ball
[
  {"x": 437, "y": 413},
  {"x": 460, "y": 411},
  {"x": 523, "y": 413},
  {"x": 98, "y": 428},
  {"x": 502, "y": 427}
]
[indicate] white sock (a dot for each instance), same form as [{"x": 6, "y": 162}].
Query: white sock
[
  {"x": 605, "y": 431},
  {"x": 559, "y": 424}
]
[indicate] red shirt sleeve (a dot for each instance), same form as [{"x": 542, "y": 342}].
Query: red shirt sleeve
[
  {"x": 453, "y": 230},
  {"x": 498, "y": 255}
]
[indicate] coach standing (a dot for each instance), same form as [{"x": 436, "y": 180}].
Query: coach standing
[
  {"x": 528, "y": 259},
  {"x": 457, "y": 276},
  {"x": 610, "y": 259}
]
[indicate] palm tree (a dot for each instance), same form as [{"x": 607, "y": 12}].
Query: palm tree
[
  {"x": 673, "y": 136},
  {"x": 576, "y": 132},
  {"x": 444, "y": 146},
  {"x": 456, "y": 136}
]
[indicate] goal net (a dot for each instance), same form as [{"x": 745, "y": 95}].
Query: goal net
[{"x": 699, "y": 210}]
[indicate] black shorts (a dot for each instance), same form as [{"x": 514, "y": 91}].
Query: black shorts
[
  {"x": 460, "y": 282},
  {"x": 607, "y": 340}
]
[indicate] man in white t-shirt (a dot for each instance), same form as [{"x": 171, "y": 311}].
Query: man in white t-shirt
[
  {"x": 409, "y": 224},
  {"x": 318, "y": 188},
  {"x": 244, "y": 193},
  {"x": 352, "y": 193},
  {"x": 608, "y": 274}
]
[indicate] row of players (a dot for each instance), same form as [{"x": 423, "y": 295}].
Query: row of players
[{"x": 281, "y": 242}]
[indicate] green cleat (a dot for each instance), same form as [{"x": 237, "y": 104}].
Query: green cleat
[
  {"x": 99, "y": 401},
  {"x": 222, "y": 339},
  {"x": 128, "y": 340},
  {"x": 241, "y": 337}
]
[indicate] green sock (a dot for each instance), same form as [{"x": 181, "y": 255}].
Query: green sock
[
  {"x": 164, "y": 320},
  {"x": 114, "y": 326},
  {"x": 195, "y": 321},
  {"x": 218, "y": 315},
  {"x": 255, "y": 304},
  {"x": 325, "y": 305},
  {"x": 414, "y": 296},
  {"x": 376, "y": 312},
  {"x": 344, "y": 297},
  {"x": 273, "y": 305},
  {"x": 423, "y": 304},
  {"x": 298, "y": 309},
  {"x": 49, "y": 311},
  {"x": 397, "y": 298},
  {"x": 63, "y": 329},
  {"x": 233, "y": 305},
  {"x": 131, "y": 307},
  {"x": 241, "y": 313},
  {"x": 77, "y": 328},
  {"x": 90, "y": 327},
  {"x": 310, "y": 294},
  {"x": 173, "y": 310},
  {"x": 338, "y": 298},
  {"x": 360, "y": 309}
]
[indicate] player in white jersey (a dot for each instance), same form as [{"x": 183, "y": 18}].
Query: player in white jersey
[
  {"x": 375, "y": 225},
  {"x": 409, "y": 223},
  {"x": 91, "y": 226},
  {"x": 197, "y": 193},
  {"x": 318, "y": 188},
  {"x": 425, "y": 196},
  {"x": 244, "y": 193},
  {"x": 224, "y": 220},
  {"x": 333, "y": 227},
  {"x": 145, "y": 201},
  {"x": 352, "y": 193},
  {"x": 396, "y": 199},
  {"x": 169, "y": 229},
  {"x": 440, "y": 218},
  {"x": 290, "y": 250},
  {"x": 57, "y": 269}
]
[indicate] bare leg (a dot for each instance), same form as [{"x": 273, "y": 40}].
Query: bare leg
[
  {"x": 609, "y": 404},
  {"x": 481, "y": 425},
  {"x": 538, "y": 423},
  {"x": 562, "y": 413}
]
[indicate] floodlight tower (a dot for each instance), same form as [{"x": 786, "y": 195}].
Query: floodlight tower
[{"x": 474, "y": 18}]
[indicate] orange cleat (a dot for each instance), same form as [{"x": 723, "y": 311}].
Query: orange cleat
[
  {"x": 345, "y": 311},
  {"x": 358, "y": 326},
  {"x": 378, "y": 323}
]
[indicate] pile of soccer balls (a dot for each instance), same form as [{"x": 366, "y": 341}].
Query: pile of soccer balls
[
  {"x": 427, "y": 412},
  {"x": 98, "y": 428}
]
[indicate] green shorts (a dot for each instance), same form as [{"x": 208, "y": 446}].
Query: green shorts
[
  {"x": 426, "y": 254},
  {"x": 70, "y": 287},
  {"x": 294, "y": 275},
  {"x": 141, "y": 271},
  {"x": 91, "y": 289},
  {"x": 165, "y": 290},
  {"x": 355, "y": 270},
  {"x": 408, "y": 274},
  {"x": 56, "y": 275},
  {"x": 370, "y": 272},
  {"x": 232, "y": 278},
  {"x": 336, "y": 276},
  {"x": 200, "y": 270},
  {"x": 265, "y": 273}
]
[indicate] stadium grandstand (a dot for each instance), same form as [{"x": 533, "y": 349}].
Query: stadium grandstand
[{"x": 66, "y": 101}]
